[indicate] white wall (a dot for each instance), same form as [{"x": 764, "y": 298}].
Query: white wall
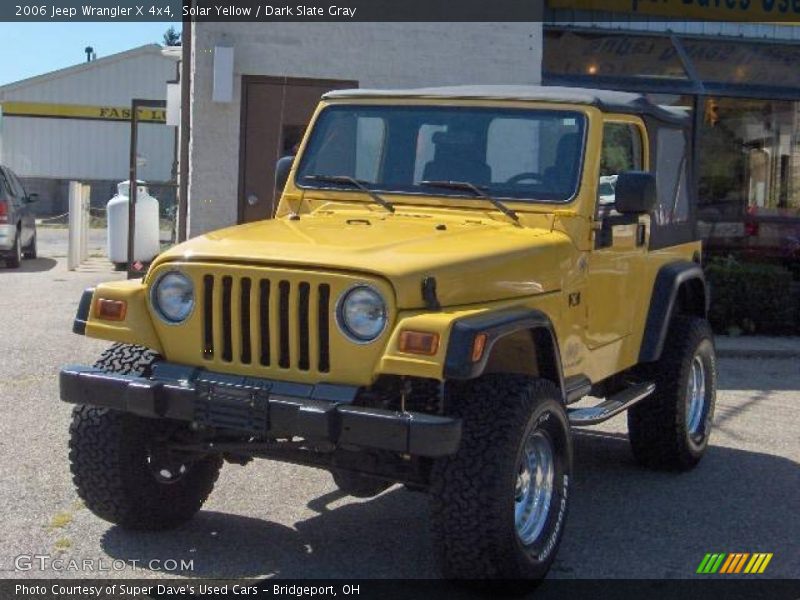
[
  {"x": 78, "y": 149},
  {"x": 83, "y": 149},
  {"x": 374, "y": 54}
]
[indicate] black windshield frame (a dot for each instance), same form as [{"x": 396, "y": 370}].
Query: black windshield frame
[{"x": 487, "y": 113}]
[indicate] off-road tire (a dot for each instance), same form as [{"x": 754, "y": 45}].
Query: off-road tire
[
  {"x": 657, "y": 426},
  {"x": 127, "y": 359},
  {"x": 358, "y": 485},
  {"x": 31, "y": 251},
  {"x": 14, "y": 259},
  {"x": 473, "y": 491},
  {"x": 109, "y": 453}
]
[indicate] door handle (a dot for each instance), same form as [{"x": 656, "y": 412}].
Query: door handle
[{"x": 252, "y": 199}]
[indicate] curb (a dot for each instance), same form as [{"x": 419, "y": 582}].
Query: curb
[{"x": 758, "y": 353}]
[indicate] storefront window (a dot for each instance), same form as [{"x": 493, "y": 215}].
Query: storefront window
[
  {"x": 743, "y": 63},
  {"x": 569, "y": 53},
  {"x": 749, "y": 159}
]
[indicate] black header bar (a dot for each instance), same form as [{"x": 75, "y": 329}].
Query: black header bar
[
  {"x": 700, "y": 588},
  {"x": 298, "y": 11}
]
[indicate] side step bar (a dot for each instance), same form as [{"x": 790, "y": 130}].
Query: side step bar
[{"x": 610, "y": 407}]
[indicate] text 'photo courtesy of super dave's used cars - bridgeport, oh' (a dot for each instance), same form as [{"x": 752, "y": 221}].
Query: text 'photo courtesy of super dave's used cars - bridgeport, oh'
[{"x": 433, "y": 297}]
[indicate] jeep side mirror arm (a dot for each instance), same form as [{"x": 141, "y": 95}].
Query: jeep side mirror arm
[{"x": 635, "y": 195}]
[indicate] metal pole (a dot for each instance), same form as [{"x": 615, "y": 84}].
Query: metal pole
[
  {"x": 132, "y": 187},
  {"x": 698, "y": 119},
  {"x": 136, "y": 104},
  {"x": 86, "y": 195},
  {"x": 74, "y": 232}
]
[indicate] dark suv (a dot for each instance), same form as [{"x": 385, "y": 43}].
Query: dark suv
[{"x": 17, "y": 223}]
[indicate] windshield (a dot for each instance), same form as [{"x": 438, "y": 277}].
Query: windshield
[{"x": 532, "y": 155}]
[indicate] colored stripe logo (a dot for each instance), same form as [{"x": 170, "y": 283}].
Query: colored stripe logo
[{"x": 733, "y": 563}]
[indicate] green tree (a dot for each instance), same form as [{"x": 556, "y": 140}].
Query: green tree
[{"x": 172, "y": 37}]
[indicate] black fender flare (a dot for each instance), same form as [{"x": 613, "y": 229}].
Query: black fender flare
[
  {"x": 667, "y": 285},
  {"x": 497, "y": 325},
  {"x": 82, "y": 316}
]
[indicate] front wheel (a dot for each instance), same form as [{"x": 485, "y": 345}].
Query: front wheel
[
  {"x": 500, "y": 502},
  {"x": 125, "y": 474},
  {"x": 122, "y": 465}
]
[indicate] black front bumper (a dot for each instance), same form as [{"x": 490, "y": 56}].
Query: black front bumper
[{"x": 261, "y": 407}]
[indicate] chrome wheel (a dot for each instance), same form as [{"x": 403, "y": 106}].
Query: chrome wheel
[
  {"x": 534, "y": 488},
  {"x": 696, "y": 397}
]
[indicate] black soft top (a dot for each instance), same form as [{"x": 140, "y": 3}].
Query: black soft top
[{"x": 605, "y": 100}]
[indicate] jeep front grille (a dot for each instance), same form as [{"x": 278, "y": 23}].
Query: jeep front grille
[{"x": 272, "y": 323}]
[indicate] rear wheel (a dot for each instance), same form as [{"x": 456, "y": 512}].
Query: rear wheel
[
  {"x": 122, "y": 465},
  {"x": 499, "y": 504},
  {"x": 671, "y": 429},
  {"x": 31, "y": 249},
  {"x": 15, "y": 258}
]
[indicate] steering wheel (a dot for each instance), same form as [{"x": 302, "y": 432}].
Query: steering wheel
[{"x": 523, "y": 176}]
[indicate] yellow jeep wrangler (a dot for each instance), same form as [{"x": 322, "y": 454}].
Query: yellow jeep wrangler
[{"x": 453, "y": 280}]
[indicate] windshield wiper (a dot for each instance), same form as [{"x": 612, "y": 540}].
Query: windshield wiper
[
  {"x": 466, "y": 185},
  {"x": 352, "y": 181}
]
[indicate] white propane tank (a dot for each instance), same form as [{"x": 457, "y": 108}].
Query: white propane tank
[{"x": 146, "y": 243}]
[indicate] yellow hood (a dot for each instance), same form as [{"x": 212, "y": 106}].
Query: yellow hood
[{"x": 473, "y": 258}]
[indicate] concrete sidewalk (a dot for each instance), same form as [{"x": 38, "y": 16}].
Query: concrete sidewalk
[{"x": 757, "y": 346}]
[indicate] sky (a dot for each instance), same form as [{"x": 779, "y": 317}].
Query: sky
[{"x": 31, "y": 49}]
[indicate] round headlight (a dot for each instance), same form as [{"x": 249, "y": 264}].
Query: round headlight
[
  {"x": 362, "y": 314},
  {"x": 173, "y": 297}
]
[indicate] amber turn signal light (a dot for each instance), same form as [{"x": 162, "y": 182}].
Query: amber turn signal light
[
  {"x": 110, "y": 310},
  {"x": 419, "y": 342},
  {"x": 478, "y": 346}
]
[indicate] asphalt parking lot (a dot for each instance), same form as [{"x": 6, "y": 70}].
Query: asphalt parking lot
[{"x": 271, "y": 519}]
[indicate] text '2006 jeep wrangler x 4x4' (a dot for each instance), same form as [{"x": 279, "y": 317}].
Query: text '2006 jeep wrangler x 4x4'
[{"x": 442, "y": 282}]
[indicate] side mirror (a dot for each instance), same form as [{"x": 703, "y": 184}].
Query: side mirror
[
  {"x": 635, "y": 192},
  {"x": 282, "y": 168},
  {"x": 31, "y": 198}
]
